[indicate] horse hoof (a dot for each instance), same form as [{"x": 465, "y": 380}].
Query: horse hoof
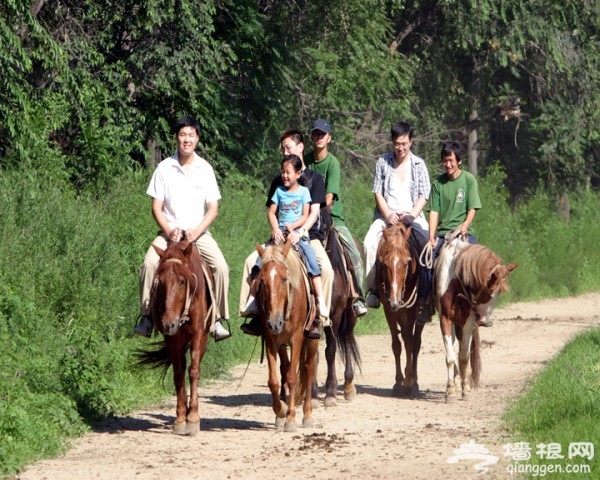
[
  {"x": 290, "y": 426},
  {"x": 350, "y": 394},
  {"x": 179, "y": 429},
  {"x": 466, "y": 396},
  {"x": 308, "y": 422},
  {"x": 279, "y": 424},
  {"x": 330, "y": 402},
  {"x": 450, "y": 399},
  {"x": 192, "y": 428},
  {"x": 314, "y": 402}
]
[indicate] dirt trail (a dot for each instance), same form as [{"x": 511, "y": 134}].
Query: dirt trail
[{"x": 375, "y": 436}]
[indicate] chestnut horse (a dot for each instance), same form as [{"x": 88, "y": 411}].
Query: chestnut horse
[
  {"x": 397, "y": 281},
  {"x": 284, "y": 309},
  {"x": 467, "y": 281},
  {"x": 343, "y": 320},
  {"x": 181, "y": 303}
]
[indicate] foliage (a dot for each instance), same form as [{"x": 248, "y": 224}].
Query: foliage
[{"x": 561, "y": 404}]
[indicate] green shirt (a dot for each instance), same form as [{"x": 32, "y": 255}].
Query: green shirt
[
  {"x": 330, "y": 168},
  {"x": 452, "y": 199}
]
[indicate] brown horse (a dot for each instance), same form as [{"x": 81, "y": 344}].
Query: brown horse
[
  {"x": 397, "y": 282},
  {"x": 343, "y": 321},
  {"x": 180, "y": 308},
  {"x": 284, "y": 308},
  {"x": 467, "y": 281}
]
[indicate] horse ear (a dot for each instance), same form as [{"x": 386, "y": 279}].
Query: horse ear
[
  {"x": 286, "y": 247},
  {"x": 260, "y": 249},
  {"x": 187, "y": 251},
  {"x": 158, "y": 250},
  {"x": 511, "y": 266}
]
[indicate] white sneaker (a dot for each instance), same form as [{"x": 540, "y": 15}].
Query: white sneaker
[
  {"x": 220, "y": 332},
  {"x": 144, "y": 327},
  {"x": 359, "y": 308},
  {"x": 251, "y": 308}
]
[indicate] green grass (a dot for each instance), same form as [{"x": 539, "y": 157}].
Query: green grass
[{"x": 562, "y": 405}]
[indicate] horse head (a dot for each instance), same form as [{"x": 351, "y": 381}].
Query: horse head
[
  {"x": 483, "y": 276},
  {"x": 276, "y": 285},
  {"x": 174, "y": 286},
  {"x": 396, "y": 267}
]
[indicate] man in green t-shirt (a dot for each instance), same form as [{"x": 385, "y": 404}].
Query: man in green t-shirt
[
  {"x": 453, "y": 203},
  {"x": 322, "y": 161},
  {"x": 454, "y": 198}
]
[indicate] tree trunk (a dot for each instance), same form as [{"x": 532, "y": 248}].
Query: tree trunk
[{"x": 473, "y": 142}]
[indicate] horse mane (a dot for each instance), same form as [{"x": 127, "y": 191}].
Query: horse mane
[
  {"x": 476, "y": 264},
  {"x": 176, "y": 255},
  {"x": 275, "y": 253}
]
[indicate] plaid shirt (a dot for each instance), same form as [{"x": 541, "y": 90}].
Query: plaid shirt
[{"x": 420, "y": 185}]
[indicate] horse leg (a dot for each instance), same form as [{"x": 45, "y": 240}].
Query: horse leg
[
  {"x": 397, "y": 350},
  {"x": 198, "y": 347},
  {"x": 284, "y": 365},
  {"x": 412, "y": 345},
  {"x": 349, "y": 348},
  {"x": 292, "y": 381},
  {"x": 310, "y": 348},
  {"x": 448, "y": 338},
  {"x": 331, "y": 381},
  {"x": 464, "y": 357},
  {"x": 177, "y": 353},
  {"x": 278, "y": 405}
]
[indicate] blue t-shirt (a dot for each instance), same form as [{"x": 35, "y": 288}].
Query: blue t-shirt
[{"x": 289, "y": 204}]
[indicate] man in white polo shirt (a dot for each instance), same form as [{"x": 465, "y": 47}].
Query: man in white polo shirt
[{"x": 185, "y": 202}]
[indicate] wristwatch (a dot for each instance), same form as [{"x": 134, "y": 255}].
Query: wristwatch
[{"x": 303, "y": 233}]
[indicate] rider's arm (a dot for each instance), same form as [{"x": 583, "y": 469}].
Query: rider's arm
[{"x": 433, "y": 224}]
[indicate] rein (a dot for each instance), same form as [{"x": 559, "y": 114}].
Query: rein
[{"x": 473, "y": 299}]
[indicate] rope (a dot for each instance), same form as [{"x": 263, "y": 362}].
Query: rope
[
  {"x": 426, "y": 257},
  {"x": 247, "y": 365}
]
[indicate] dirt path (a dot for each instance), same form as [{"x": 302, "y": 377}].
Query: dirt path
[{"x": 375, "y": 436}]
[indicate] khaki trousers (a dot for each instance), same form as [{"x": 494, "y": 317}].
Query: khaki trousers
[{"x": 212, "y": 255}]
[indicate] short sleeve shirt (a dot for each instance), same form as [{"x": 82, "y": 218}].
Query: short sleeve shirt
[
  {"x": 290, "y": 204},
  {"x": 316, "y": 187},
  {"x": 452, "y": 199},
  {"x": 184, "y": 194},
  {"x": 331, "y": 170}
]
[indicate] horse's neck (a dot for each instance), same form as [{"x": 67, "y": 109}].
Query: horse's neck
[{"x": 445, "y": 263}]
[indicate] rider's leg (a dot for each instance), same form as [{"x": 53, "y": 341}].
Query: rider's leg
[{"x": 212, "y": 255}]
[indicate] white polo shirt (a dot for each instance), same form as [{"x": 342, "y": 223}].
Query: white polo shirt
[{"x": 184, "y": 194}]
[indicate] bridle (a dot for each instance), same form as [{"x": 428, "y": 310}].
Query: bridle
[{"x": 189, "y": 295}]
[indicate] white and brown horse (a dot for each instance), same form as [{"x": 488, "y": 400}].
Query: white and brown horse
[{"x": 467, "y": 281}]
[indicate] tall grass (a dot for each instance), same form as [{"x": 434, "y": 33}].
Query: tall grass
[{"x": 69, "y": 290}]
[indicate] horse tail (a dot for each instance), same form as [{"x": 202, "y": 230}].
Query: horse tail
[
  {"x": 475, "y": 358},
  {"x": 158, "y": 357}
]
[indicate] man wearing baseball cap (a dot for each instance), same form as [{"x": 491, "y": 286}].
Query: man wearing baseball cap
[{"x": 321, "y": 160}]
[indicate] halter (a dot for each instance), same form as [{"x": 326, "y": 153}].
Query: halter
[
  {"x": 188, "y": 298},
  {"x": 473, "y": 299}
]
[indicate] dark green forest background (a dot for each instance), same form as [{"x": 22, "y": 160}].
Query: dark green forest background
[{"x": 89, "y": 92}]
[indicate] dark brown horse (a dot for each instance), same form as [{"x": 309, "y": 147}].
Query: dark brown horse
[
  {"x": 343, "y": 321},
  {"x": 284, "y": 309},
  {"x": 467, "y": 282},
  {"x": 397, "y": 280},
  {"x": 180, "y": 308}
]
